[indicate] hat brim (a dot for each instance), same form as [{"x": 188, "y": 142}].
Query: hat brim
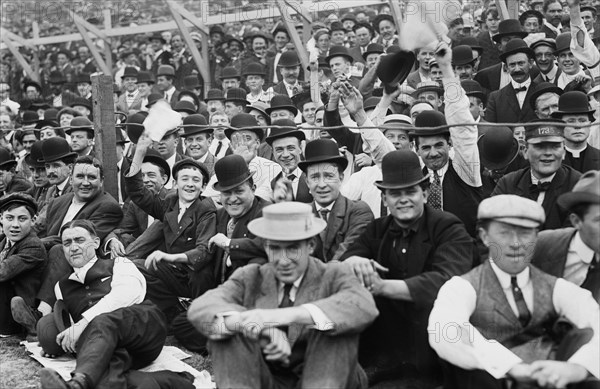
[
  {"x": 195, "y": 131},
  {"x": 222, "y": 188},
  {"x": 538, "y": 93},
  {"x": 514, "y": 151},
  {"x": 425, "y": 133},
  {"x": 239, "y": 100},
  {"x": 570, "y": 199},
  {"x": 464, "y": 62},
  {"x": 260, "y": 133},
  {"x": 70, "y": 154},
  {"x": 288, "y": 107},
  {"x": 299, "y": 134},
  {"x": 343, "y": 162},
  {"x": 8, "y": 164},
  {"x": 366, "y": 53},
  {"x": 347, "y": 56},
  {"x": 521, "y": 34},
  {"x": 560, "y": 114},
  {"x": 537, "y": 140},
  {"x": 61, "y": 316},
  {"x": 386, "y": 185},
  {"x": 524, "y": 50},
  {"x": 68, "y": 131},
  {"x": 518, "y": 221},
  {"x": 438, "y": 90},
  {"x": 260, "y": 228}
]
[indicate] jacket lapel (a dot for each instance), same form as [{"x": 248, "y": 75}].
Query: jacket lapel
[
  {"x": 303, "y": 193},
  {"x": 334, "y": 222},
  {"x": 511, "y": 99},
  {"x": 307, "y": 292}
]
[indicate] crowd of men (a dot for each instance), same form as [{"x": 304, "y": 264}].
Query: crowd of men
[{"x": 429, "y": 216}]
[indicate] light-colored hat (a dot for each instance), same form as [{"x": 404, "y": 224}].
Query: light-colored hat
[
  {"x": 585, "y": 191},
  {"x": 287, "y": 221},
  {"x": 512, "y": 209}
]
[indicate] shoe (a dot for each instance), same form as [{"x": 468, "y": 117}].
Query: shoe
[
  {"x": 24, "y": 314},
  {"x": 50, "y": 379}
]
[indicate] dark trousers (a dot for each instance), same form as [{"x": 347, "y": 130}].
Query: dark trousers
[
  {"x": 57, "y": 268},
  {"x": 116, "y": 342},
  {"x": 187, "y": 334},
  {"x": 7, "y": 325},
  {"x": 329, "y": 362}
]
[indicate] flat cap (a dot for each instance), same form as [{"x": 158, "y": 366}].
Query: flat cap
[
  {"x": 545, "y": 132},
  {"x": 512, "y": 209},
  {"x": 18, "y": 199}
]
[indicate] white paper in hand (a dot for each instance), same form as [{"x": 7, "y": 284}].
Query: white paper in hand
[
  {"x": 425, "y": 21},
  {"x": 161, "y": 118}
]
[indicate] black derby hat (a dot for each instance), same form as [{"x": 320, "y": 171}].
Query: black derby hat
[
  {"x": 515, "y": 46},
  {"x": 393, "y": 69},
  {"x": 7, "y": 160},
  {"x": 195, "y": 124},
  {"x": 540, "y": 89},
  {"x": 229, "y": 72},
  {"x": 497, "y": 148},
  {"x": 35, "y": 158},
  {"x": 289, "y": 130},
  {"x": 339, "y": 51},
  {"x": 55, "y": 149},
  {"x": 509, "y": 27},
  {"x": 573, "y": 103},
  {"x": 322, "y": 150},
  {"x": 429, "y": 119},
  {"x": 135, "y": 125},
  {"x": 241, "y": 121},
  {"x": 214, "y": 94},
  {"x": 462, "y": 55},
  {"x": 282, "y": 102},
  {"x": 154, "y": 157},
  {"x": 400, "y": 169},
  {"x": 289, "y": 59},
  {"x": 231, "y": 171}
]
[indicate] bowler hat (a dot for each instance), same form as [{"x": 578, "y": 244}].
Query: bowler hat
[
  {"x": 531, "y": 13},
  {"x": 289, "y": 59},
  {"x": 34, "y": 84},
  {"x": 80, "y": 123},
  {"x": 541, "y": 88},
  {"x": 545, "y": 132},
  {"x": 515, "y": 46},
  {"x": 35, "y": 105},
  {"x": 216, "y": 29},
  {"x": 229, "y": 72},
  {"x": 185, "y": 106},
  {"x": 191, "y": 82},
  {"x": 82, "y": 78},
  {"x": 551, "y": 43},
  {"x": 322, "y": 150},
  {"x": 242, "y": 121},
  {"x": 165, "y": 70},
  {"x": 282, "y": 102},
  {"x": 254, "y": 69},
  {"x": 120, "y": 139},
  {"x": 380, "y": 18},
  {"x": 135, "y": 125},
  {"x": 49, "y": 326},
  {"x": 430, "y": 119},
  {"x": 51, "y": 114},
  {"x": 56, "y": 77},
  {"x": 236, "y": 94},
  {"x": 393, "y": 69},
  {"x": 190, "y": 94},
  {"x": 473, "y": 88},
  {"x": 195, "y": 124},
  {"x": 585, "y": 191},
  {"x": 472, "y": 42},
  {"x": 30, "y": 117},
  {"x": 35, "y": 158},
  {"x": 509, "y": 27},
  {"x": 157, "y": 36},
  {"x": 400, "y": 169},
  {"x": 573, "y": 103},
  {"x": 130, "y": 71},
  {"x": 7, "y": 161},
  {"x": 152, "y": 156},
  {"x": 83, "y": 102},
  {"x": 214, "y": 94},
  {"x": 145, "y": 77},
  {"x": 336, "y": 26},
  {"x": 512, "y": 209},
  {"x": 462, "y": 55},
  {"x": 288, "y": 130},
  {"x": 339, "y": 51},
  {"x": 371, "y": 102},
  {"x": 41, "y": 124},
  {"x": 231, "y": 171},
  {"x": 18, "y": 199},
  {"x": 230, "y": 38},
  {"x": 287, "y": 221},
  {"x": 563, "y": 42},
  {"x": 55, "y": 149},
  {"x": 187, "y": 162},
  {"x": 260, "y": 107},
  {"x": 153, "y": 98},
  {"x": 373, "y": 48},
  {"x": 497, "y": 148}
]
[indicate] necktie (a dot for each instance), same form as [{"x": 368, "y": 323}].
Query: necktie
[
  {"x": 535, "y": 189},
  {"x": 435, "y": 192},
  {"x": 4, "y": 252},
  {"x": 521, "y": 89},
  {"x": 592, "y": 280},
  {"x": 384, "y": 210},
  {"x": 291, "y": 177},
  {"x": 286, "y": 301},
  {"x": 218, "y": 148},
  {"x": 180, "y": 215},
  {"x": 166, "y": 96},
  {"x": 56, "y": 193},
  {"x": 524, "y": 314},
  {"x": 324, "y": 213}
]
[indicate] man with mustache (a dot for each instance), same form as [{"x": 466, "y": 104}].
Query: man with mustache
[{"x": 553, "y": 12}]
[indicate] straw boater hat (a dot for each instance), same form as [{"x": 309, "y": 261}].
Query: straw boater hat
[{"x": 287, "y": 221}]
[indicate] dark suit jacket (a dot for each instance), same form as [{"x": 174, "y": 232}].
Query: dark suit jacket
[
  {"x": 67, "y": 98},
  {"x": 303, "y": 194},
  {"x": 489, "y": 78},
  {"x": 345, "y": 223},
  {"x": 491, "y": 54},
  {"x": 103, "y": 210},
  {"x": 503, "y": 106},
  {"x": 551, "y": 250},
  {"x": 191, "y": 234},
  {"x": 413, "y": 79},
  {"x": 549, "y": 33},
  {"x": 23, "y": 266},
  {"x": 333, "y": 288},
  {"x": 357, "y": 54},
  {"x": 280, "y": 88},
  {"x": 518, "y": 183},
  {"x": 540, "y": 77},
  {"x": 90, "y": 67},
  {"x": 589, "y": 161},
  {"x": 245, "y": 247}
]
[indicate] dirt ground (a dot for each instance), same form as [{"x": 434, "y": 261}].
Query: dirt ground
[{"x": 19, "y": 371}]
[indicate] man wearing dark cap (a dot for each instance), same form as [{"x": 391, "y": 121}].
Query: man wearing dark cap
[
  {"x": 544, "y": 99},
  {"x": 165, "y": 77},
  {"x": 130, "y": 100},
  {"x": 498, "y": 312},
  {"x": 10, "y": 182},
  {"x": 289, "y": 65},
  {"x": 197, "y": 138},
  {"x": 403, "y": 273},
  {"x": 543, "y": 50},
  {"x": 22, "y": 258},
  {"x": 511, "y": 103},
  {"x": 235, "y": 101},
  {"x": 573, "y": 109},
  {"x": 81, "y": 132},
  {"x": 41, "y": 184},
  {"x": 546, "y": 178}
]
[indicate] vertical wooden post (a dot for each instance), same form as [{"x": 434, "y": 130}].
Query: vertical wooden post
[
  {"x": 294, "y": 36},
  {"x": 107, "y": 41},
  {"x": 513, "y": 8},
  {"x": 104, "y": 128},
  {"x": 36, "y": 52},
  {"x": 502, "y": 10}
]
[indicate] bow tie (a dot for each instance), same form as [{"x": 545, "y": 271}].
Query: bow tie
[
  {"x": 539, "y": 187},
  {"x": 521, "y": 89},
  {"x": 130, "y": 95}
]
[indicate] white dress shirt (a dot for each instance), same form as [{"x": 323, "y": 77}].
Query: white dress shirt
[
  {"x": 169, "y": 94},
  {"x": 521, "y": 95},
  {"x": 128, "y": 287},
  {"x": 535, "y": 180},
  {"x": 215, "y": 143},
  {"x": 297, "y": 173},
  {"x": 73, "y": 210},
  {"x": 361, "y": 186},
  {"x": 578, "y": 261}
]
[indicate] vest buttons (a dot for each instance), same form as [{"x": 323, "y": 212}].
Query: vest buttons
[{"x": 87, "y": 287}]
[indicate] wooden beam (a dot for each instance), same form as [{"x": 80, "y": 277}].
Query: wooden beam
[
  {"x": 105, "y": 137},
  {"x": 16, "y": 39},
  {"x": 198, "y": 23},
  {"x": 88, "y": 26},
  {"x": 298, "y": 43},
  {"x": 95, "y": 53},
  {"x": 107, "y": 40},
  {"x": 204, "y": 72},
  {"x": 397, "y": 14},
  {"x": 502, "y": 10},
  {"x": 36, "y": 55},
  {"x": 19, "y": 57},
  {"x": 513, "y": 8}
]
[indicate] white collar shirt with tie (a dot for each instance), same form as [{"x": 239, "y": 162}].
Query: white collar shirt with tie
[
  {"x": 522, "y": 93},
  {"x": 535, "y": 180}
]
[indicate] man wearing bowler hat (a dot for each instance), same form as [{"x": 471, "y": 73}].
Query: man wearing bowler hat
[
  {"x": 182, "y": 266},
  {"x": 255, "y": 81},
  {"x": 130, "y": 100},
  {"x": 235, "y": 101},
  {"x": 289, "y": 66},
  {"x": 573, "y": 108},
  {"x": 83, "y": 106},
  {"x": 41, "y": 184},
  {"x": 511, "y": 103},
  {"x": 477, "y": 101},
  {"x": 282, "y": 107},
  {"x": 9, "y": 181},
  {"x": 306, "y": 315},
  {"x": 145, "y": 82},
  {"x": 58, "y": 96},
  {"x": 544, "y": 99},
  {"x": 156, "y": 55},
  {"x": 165, "y": 77},
  {"x": 230, "y": 78},
  {"x": 463, "y": 62},
  {"x": 386, "y": 28},
  {"x": 498, "y": 312},
  {"x": 340, "y": 62},
  {"x": 197, "y": 138},
  {"x": 403, "y": 259},
  {"x": 547, "y": 177},
  {"x": 81, "y": 132}
]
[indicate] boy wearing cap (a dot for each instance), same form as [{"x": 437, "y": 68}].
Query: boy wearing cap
[
  {"x": 183, "y": 267},
  {"x": 489, "y": 324},
  {"x": 547, "y": 177},
  {"x": 573, "y": 253},
  {"x": 22, "y": 258},
  {"x": 306, "y": 315}
]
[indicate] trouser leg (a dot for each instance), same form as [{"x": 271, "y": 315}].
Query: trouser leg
[{"x": 187, "y": 334}]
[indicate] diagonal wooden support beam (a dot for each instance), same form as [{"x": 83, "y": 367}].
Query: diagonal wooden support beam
[
  {"x": 19, "y": 57},
  {"x": 294, "y": 36},
  {"x": 88, "y": 26},
  {"x": 199, "y": 24},
  {"x": 397, "y": 14},
  {"x": 95, "y": 53}
]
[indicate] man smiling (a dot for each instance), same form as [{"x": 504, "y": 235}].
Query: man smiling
[{"x": 197, "y": 139}]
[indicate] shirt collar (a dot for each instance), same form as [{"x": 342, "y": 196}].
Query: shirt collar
[
  {"x": 535, "y": 180},
  {"x": 295, "y": 287},
  {"x": 581, "y": 249},
  {"x": 440, "y": 172},
  {"x": 79, "y": 273},
  {"x": 296, "y": 172},
  {"x": 552, "y": 73},
  {"x": 505, "y": 278},
  {"x": 551, "y": 27},
  {"x": 576, "y": 153},
  {"x": 62, "y": 185},
  {"x": 319, "y": 208},
  {"x": 525, "y": 84}
]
